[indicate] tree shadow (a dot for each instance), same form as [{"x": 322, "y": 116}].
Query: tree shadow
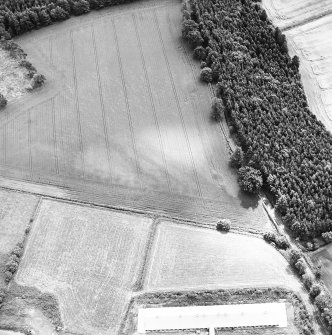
[{"x": 248, "y": 200}]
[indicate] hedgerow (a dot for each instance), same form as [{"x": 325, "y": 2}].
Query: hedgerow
[{"x": 264, "y": 101}]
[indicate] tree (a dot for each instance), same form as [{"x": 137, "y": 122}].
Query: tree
[
  {"x": 206, "y": 75},
  {"x": 188, "y": 26},
  {"x": 200, "y": 53},
  {"x": 307, "y": 280},
  {"x": 37, "y": 80},
  {"x": 250, "y": 179},
  {"x": 237, "y": 158},
  {"x": 224, "y": 225},
  {"x": 300, "y": 266},
  {"x": 44, "y": 18},
  {"x": 80, "y": 7},
  {"x": 195, "y": 37},
  {"x": 281, "y": 204},
  {"x": 59, "y": 14},
  {"x": 8, "y": 276},
  {"x": 315, "y": 290},
  {"x": 3, "y": 101},
  {"x": 217, "y": 110},
  {"x": 296, "y": 62},
  {"x": 295, "y": 255},
  {"x": 327, "y": 236}
]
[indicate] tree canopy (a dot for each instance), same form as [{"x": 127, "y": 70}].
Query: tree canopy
[{"x": 265, "y": 103}]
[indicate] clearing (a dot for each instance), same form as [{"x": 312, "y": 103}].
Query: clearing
[
  {"x": 89, "y": 259},
  {"x": 186, "y": 257},
  {"x": 123, "y": 119}
]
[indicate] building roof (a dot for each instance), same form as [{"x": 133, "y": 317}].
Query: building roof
[{"x": 216, "y": 316}]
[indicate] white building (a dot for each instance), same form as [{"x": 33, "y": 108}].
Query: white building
[{"x": 211, "y": 317}]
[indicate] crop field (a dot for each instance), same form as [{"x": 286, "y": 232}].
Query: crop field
[
  {"x": 288, "y": 13},
  {"x": 123, "y": 119},
  {"x": 89, "y": 259},
  {"x": 190, "y": 257}
]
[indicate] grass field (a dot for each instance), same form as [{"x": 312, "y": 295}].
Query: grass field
[
  {"x": 323, "y": 256},
  {"x": 16, "y": 210},
  {"x": 89, "y": 259},
  {"x": 123, "y": 117},
  {"x": 190, "y": 257}
]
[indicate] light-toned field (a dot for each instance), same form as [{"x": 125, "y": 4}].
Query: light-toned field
[
  {"x": 13, "y": 80},
  {"x": 188, "y": 257},
  {"x": 313, "y": 44},
  {"x": 288, "y": 13},
  {"x": 123, "y": 119},
  {"x": 89, "y": 259}
]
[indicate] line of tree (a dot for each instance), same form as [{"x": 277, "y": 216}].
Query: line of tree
[
  {"x": 264, "y": 101},
  {"x": 20, "y": 16}
]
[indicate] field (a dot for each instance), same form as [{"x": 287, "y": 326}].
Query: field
[
  {"x": 188, "y": 257},
  {"x": 323, "y": 256},
  {"x": 289, "y": 13},
  {"x": 89, "y": 259},
  {"x": 123, "y": 119},
  {"x": 16, "y": 210},
  {"x": 307, "y": 26}
]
